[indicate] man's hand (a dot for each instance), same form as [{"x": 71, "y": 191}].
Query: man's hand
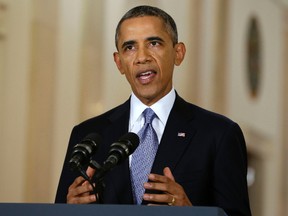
[
  {"x": 173, "y": 193},
  {"x": 80, "y": 190}
]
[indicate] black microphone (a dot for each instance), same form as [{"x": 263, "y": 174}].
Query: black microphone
[
  {"x": 82, "y": 152},
  {"x": 118, "y": 152}
]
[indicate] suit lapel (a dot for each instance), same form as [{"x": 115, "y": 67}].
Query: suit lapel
[{"x": 176, "y": 137}]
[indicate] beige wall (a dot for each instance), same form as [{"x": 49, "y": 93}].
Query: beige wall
[
  {"x": 261, "y": 117},
  {"x": 57, "y": 69},
  {"x": 285, "y": 108},
  {"x": 14, "y": 95}
]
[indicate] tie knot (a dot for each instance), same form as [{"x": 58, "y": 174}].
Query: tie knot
[{"x": 149, "y": 115}]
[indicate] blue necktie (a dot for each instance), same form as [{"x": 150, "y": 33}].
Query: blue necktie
[{"x": 143, "y": 157}]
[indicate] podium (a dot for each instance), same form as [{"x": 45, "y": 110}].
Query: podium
[{"x": 13, "y": 209}]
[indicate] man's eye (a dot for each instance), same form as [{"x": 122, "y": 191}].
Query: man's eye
[
  {"x": 129, "y": 47},
  {"x": 154, "y": 43}
]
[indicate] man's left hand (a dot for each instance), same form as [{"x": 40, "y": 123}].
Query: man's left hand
[{"x": 173, "y": 193}]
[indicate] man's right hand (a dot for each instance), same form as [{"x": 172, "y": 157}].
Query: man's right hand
[{"x": 80, "y": 190}]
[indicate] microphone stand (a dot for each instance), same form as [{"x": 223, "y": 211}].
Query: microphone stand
[
  {"x": 98, "y": 179},
  {"x": 99, "y": 175}
]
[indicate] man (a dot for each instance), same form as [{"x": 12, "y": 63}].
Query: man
[{"x": 201, "y": 157}]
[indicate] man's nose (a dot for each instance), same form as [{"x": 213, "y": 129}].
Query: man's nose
[{"x": 143, "y": 56}]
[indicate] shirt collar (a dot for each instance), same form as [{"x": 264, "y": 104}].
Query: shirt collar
[{"x": 162, "y": 107}]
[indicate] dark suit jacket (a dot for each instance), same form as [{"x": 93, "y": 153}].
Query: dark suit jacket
[{"x": 208, "y": 159}]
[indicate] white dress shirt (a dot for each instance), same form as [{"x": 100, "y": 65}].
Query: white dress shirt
[{"x": 161, "y": 108}]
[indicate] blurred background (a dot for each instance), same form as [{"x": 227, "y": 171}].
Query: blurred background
[{"x": 57, "y": 69}]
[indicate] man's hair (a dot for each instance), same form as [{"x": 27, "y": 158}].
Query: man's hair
[{"x": 145, "y": 10}]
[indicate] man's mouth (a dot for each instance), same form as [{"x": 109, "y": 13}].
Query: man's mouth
[{"x": 146, "y": 75}]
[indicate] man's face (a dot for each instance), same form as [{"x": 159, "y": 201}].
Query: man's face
[{"x": 146, "y": 56}]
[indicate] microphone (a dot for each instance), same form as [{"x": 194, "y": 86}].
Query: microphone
[
  {"x": 118, "y": 152},
  {"x": 83, "y": 151}
]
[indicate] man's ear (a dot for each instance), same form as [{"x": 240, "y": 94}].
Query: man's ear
[
  {"x": 180, "y": 50},
  {"x": 118, "y": 62}
]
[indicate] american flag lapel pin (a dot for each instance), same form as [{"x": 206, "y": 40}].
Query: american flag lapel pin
[{"x": 181, "y": 134}]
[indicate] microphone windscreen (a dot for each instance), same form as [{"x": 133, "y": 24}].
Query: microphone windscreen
[
  {"x": 83, "y": 151},
  {"x": 131, "y": 139}
]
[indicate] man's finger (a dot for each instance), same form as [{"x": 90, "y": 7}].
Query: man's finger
[
  {"x": 78, "y": 181},
  {"x": 90, "y": 171},
  {"x": 167, "y": 172}
]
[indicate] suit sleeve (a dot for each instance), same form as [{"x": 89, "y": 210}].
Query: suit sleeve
[
  {"x": 67, "y": 176},
  {"x": 230, "y": 181}
]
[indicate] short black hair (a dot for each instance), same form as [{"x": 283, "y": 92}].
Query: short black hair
[{"x": 145, "y": 10}]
